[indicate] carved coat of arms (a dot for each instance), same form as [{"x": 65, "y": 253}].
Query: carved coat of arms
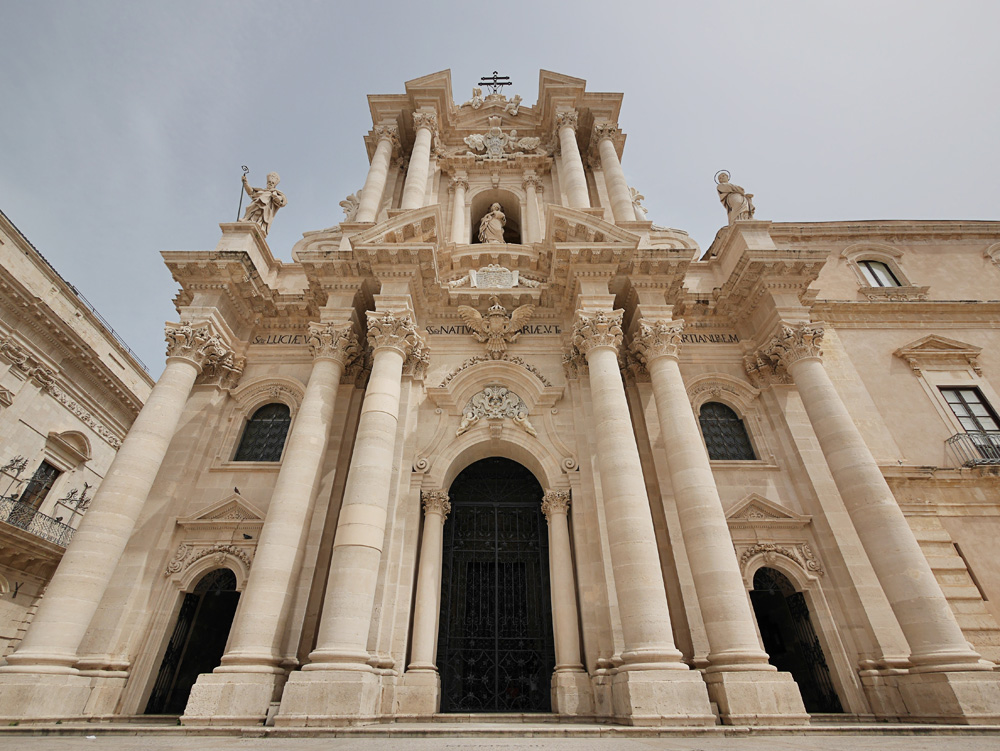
[{"x": 497, "y": 327}]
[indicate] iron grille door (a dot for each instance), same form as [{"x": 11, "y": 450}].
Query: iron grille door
[{"x": 495, "y": 644}]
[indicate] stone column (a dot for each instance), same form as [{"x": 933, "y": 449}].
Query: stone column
[
  {"x": 532, "y": 184},
  {"x": 614, "y": 177},
  {"x": 243, "y": 685},
  {"x": 652, "y": 681},
  {"x": 420, "y": 159},
  {"x": 459, "y": 185},
  {"x": 571, "y": 690},
  {"x": 934, "y": 636},
  {"x": 574, "y": 179},
  {"x": 747, "y": 689},
  {"x": 340, "y": 661},
  {"x": 75, "y": 591},
  {"x": 371, "y": 193},
  {"x": 427, "y": 607}
]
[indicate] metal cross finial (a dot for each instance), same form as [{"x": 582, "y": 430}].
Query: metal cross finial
[{"x": 495, "y": 82}]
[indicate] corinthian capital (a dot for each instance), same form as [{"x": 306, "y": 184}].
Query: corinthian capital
[
  {"x": 657, "y": 339},
  {"x": 436, "y": 502},
  {"x": 388, "y": 133},
  {"x": 427, "y": 120},
  {"x": 794, "y": 343},
  {"x": 604, "y": 130},
  {"x": 566, "y": 118},
  {"x": 196, "y": 344},
  {"x": 390, "y": 330},
  {"x": 598, "y": 330},
  {"x": 329, "y": 341},
  {"x": 458, "y": 181},
  {"x": 532, "y": 181},
  {"x": 555, "y": 502}
]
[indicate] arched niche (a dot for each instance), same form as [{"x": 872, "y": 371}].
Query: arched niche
[{"x": 510, "y": 203}]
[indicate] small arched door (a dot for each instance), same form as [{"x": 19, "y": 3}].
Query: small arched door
[
  {"x": 198, "y": 641},
  {"x": 790, "y": 640},
  {"x": 495, "y": 642}
]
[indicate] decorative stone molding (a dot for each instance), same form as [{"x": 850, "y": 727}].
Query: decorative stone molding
[
  {"x": 195, "y": 344},
  {"x": 436, "y": 502},
  {"x": 255, "y": 393},
  {"x": 333, "y": 342},
  {"x": 762, "y": 372},
  {"x": 596, "y": 330},
  {"x": 418, "y": 361},
  {"x": 756, "y": 512},
  {"x": 224, "y": 372},
  {"x": 935, "y": 352},
  {"x": 555, "y": 502},
  {"x": 506, "y": 358},
  {"x": 495, "y": 402},
  {"x": 993, "y": 253},
  {"x": 494, "y": 144},
  {"x": 895, "y": 294},
  {"x": 566, "y": 118},
  {"x": 6, "y": 397},
  {"x": 389, "y": 330},
  {"x": 801, "y": 555},
  {"x": 189, "y": 553},
  {"x": 719, "y": 386},
  {"x": 657, "y": 339},
  {"x": 85, "y": 416}
]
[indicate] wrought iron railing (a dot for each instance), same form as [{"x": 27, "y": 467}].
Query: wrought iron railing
[
  {"x": 973, "y": 449},
  {"x": 28, "y": 518}
]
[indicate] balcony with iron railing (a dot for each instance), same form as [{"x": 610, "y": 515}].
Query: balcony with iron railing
[
  {"x": 31, "y": 520},
  {"x": 976, "y": 449}
]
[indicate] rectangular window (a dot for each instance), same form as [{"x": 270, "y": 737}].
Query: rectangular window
[
  {"x": 878, "y": 274},
  {"x": 39, "y": 485},
  {"x": 971, "y": 409}
]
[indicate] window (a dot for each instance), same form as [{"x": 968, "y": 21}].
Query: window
[
  {"x": 264, "y": 436},
  {"x": 39, "y": 485},
  {"x": 725, "y": 434},
  {"x": 878, "y": 274},
  {"x": 971, "y": 409}
]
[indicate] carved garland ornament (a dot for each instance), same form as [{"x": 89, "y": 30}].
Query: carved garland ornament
[
  {"x": 555, "y": 502},
  {"x": 495, "y": 402},
  {"x": 506, "y": 358},
  {"x": 329, "y": 341},
  {"x": 188, "y": 554},
  {"x": 802, "y": 555}
]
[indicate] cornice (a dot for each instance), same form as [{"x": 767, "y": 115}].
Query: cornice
[
  {"x": 857, "y": 231},
  {"x": 869, "y": 314}
]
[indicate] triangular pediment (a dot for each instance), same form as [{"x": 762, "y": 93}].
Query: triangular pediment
[
  {"x": 231, "y": 510},
  {"x": 939, "y": 352},
  {"x": 565, "y": 225},
  {"x": 757, "y": 510},
  {"x": 419, "y": 226}
]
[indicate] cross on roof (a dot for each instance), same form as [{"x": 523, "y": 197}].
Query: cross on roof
[{"x": 495, "y": 82}]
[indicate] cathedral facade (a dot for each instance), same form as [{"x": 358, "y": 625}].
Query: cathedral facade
[{"x": 495, "y": 443}]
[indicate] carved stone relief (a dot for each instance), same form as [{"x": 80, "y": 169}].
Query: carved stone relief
[{"x": 495, "y": 402}]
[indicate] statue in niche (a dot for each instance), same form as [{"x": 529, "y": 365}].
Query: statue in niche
[
  {"x": 737, "y": 201},
  {"x": 264, "y": 202},
  {"x": 492, "y": 224}
]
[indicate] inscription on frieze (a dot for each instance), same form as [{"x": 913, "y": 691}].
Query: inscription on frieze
[
  {"x": 462, "y": 329},
  {"x": 717, "y": 338},
  {"x": 279, "y": 338}
]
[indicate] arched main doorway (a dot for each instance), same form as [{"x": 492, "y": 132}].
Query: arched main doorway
[
  {"x": 198, "y": 641},
  {"x": 790, "y": 640},
  {"x": 495, "y": 643}
]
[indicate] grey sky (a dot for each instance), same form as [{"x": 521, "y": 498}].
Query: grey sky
[{"x": 124, "y": 124}]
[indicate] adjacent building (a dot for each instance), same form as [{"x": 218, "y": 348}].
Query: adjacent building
[{"x": 496, "y": 443}]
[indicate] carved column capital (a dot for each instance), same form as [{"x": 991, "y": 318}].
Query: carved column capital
[
  {"x": 388, "y": 133},
  {"x": 555, "y": 502},
  {"x": 794, "y": 343},
  {"x": 657, "y": 339},
  {"x": 196, "y": 344},
  {"x": 566, "y": 118},
  {"x": 332, "y": 342},
  {"x": 428, "y": 120},
  {"x": 436, "y": 502},
  {"x": 533, "y": 182},
  {"x": 458, "y": 182},
  {"x": 605, "y": 130},
  {"x": 599, "y": 329},
  {"x": 394, "y": 331}
]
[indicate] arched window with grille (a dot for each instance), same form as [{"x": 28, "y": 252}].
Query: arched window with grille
[
  {"x": 264, "y": 435},
  {"x": 724, "y": 432}
]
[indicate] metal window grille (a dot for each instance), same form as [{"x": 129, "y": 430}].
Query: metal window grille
[
  {"x": 264, "y": 436},
  {"x": 39, "y": 485},
  {"x": 725, "y": 434}
]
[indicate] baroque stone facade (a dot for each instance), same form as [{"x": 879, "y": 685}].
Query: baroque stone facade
[{"x": 745, "y": 485}]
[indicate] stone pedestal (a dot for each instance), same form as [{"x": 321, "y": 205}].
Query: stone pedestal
[
  {"x": 757, "y": 697},
  {"x": 661, "y": 697},
  {"x": 233, "y": 699},
  {"x": 572, "y": 693},
  {"x": 330, "y": 697},
  {"x": 418, "y": 694},
  {"x": 959, "y": 697}
]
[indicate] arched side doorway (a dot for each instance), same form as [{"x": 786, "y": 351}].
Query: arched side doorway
[
  {"x": 790, "y": 640},
  {"x": 495, "y": 641},
  {"x": 198, "y": 641}
]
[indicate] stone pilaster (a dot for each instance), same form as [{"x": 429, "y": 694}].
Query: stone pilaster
[
  {"x": 371, "y": 193},
  {"x": 746, "y": 688}
]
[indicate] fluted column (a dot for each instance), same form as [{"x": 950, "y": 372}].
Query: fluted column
[
  {"x": 416, "y": 176},
  {"x": 565, "y": 617},
  {"x": 614, "y": 177},
  {"x": 642, "y": 599},
  {"x": 76, "y": 589},
  {"x": 574, "y": 179},
  {"x": 459, "y": 185},
  {"x": 532, "y": 184},
  {"x": 427, "y": 607},
  {"x": 254, "y": 641},
  {"x": 935, "y": 638},
  {"x": 371, "y": 193},
  {"x": 722, "y": 597},
  {"x": 357, "y": 546}
]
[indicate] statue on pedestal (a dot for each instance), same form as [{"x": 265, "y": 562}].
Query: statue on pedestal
[
  {"x": 492, "y": 224},
  {"x": 737, "y": 201},
  {"x": 264, "y": 202}
]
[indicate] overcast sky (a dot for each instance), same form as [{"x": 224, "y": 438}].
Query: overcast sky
[{"x": 124, "y": 124}]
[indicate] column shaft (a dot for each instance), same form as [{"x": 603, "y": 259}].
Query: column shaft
[
  {"x": 458, "y": 232},
  {"x": 614, "y": 176},
  {"x": 565, "y": 616},
  {"x": 416, "y": 175},
  {"x": 574, "y": 178},
  {"x": 427, "y": 607},
  {"x": 534, "y": 233},
  {"x": 371, "y": 193}
]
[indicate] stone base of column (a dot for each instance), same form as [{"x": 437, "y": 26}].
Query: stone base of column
[
  {"x": 966, "y": 698},
  {"x": 231, "y": 698},
  {"x": 881, "y": 687},
  {"x": 661, "y": 697},
  {"x": 572, "y": 693},
  {"x": 43, "y": 696},
  {"x": 329, "y": 697},
  {"x": 418, "y": 694},
  {"x": 757, "y": 697}
]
